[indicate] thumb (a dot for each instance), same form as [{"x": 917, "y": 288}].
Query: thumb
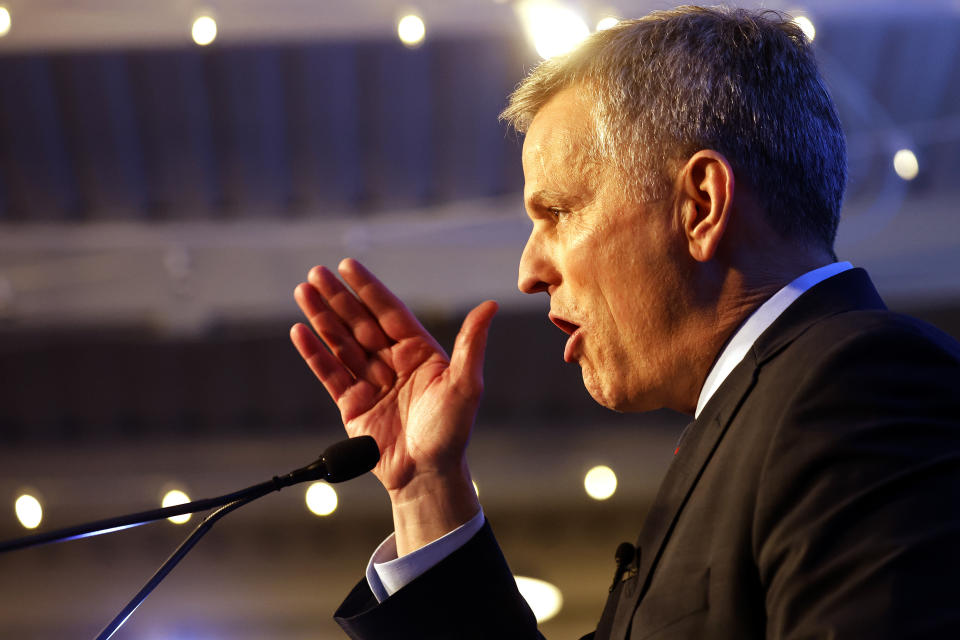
[{"x": 466, "y": 363}]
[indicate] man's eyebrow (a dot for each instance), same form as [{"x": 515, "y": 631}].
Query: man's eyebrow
[{"x": 546, "y": 196}]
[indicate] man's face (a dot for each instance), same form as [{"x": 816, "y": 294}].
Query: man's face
[{"x": 612, "y": 266}]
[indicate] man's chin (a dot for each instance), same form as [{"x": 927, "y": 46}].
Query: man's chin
[
  {"x": 613, "y": 396},
  {"x": 606, "y": 393}
]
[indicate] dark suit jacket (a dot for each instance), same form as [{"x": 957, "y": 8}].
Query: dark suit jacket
[{"x": 817, "y": 496}]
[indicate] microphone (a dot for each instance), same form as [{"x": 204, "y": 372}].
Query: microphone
[
  {"x": 624, "y": 556},
  {"x": 339, "y": 462},
  {"x": 342, "y": 461}
]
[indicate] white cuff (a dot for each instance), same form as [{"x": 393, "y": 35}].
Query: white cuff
[{"x": 387, "y": 574}]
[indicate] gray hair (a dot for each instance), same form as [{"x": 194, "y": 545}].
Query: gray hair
[{"x": 742, "y": 83}]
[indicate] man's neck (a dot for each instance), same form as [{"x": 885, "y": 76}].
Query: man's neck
[{"x": 741, "y": 293}]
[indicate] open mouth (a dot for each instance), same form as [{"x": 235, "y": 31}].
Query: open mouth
[
  {"x": 567, "y": 327},
  {"x": 572, "y": 350}
]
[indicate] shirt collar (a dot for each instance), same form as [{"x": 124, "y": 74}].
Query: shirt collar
[{"x": 758, "y": 322}]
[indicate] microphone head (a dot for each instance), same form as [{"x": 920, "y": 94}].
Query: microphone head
[
  {"x": 625, "y": 553},
  {"x": 350, "y": 458}
]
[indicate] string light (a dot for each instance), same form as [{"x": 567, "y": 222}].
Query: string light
[
  {"x": 411, "y": 30},
  {"x": 600, "y": 482},
  {"x": 905, "y": 164},
  {"x": 806, "y": 25},
  {"x": 553, "y": 28},
  {"x": 607, "y": 23},
  {"x": 5, "y": 21},
  {"x": 321, "y": 499},
  {"x": 173, "y": 498},
  {"x": 29, "y": 511},
  {"x": 204, "y": 30},
  {"x": 545, "y": 599}
]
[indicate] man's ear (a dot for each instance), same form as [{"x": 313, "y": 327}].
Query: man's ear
[{"x": 706, "y": 199}]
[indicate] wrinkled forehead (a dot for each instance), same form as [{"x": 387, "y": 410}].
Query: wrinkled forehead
[{"x": 560, "y": 139}]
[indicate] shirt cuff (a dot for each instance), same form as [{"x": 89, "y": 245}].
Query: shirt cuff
[{"x": 387, "y": 574}]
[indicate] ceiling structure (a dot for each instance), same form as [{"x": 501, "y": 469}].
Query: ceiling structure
[
  {"x": 112, "y": 24},
  {"x": 181, "y": 186},
  {"x": 160, "y": 201}
]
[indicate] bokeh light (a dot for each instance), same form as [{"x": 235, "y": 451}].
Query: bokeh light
[
  {"x": 806, "y": 25},
  {"x": 29, "y": 511},
  {"x": 204, "y": 30},
  {"x": 5, "y": 21},
  {"x": 321, "y": 499},
  {"x": 411, "y": 30},
  {"x": 544, "y": 598},
  {"x": 600, "y": 482},
  {"x": 606, "y": 23},
  {"x": 173, "y": 498},
  {"x": 554, "y": 29},
  {"x": 905, "y": 164}
]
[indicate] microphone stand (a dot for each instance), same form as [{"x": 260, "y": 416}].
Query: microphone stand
[
  {"x": 341, "y": 461},
  {"x": 168, "y": 566}
]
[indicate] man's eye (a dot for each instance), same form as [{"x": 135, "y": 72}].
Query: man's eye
[{"x": 557, "y": 212}]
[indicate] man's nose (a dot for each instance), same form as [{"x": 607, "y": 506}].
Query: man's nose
[{"x": 537, "y": 273}]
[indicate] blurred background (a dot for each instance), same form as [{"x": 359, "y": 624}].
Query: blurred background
[{"x": 169, "y": 171}]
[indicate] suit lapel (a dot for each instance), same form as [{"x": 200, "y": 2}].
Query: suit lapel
[
  {"x": 699, "y": 442},
  {"x": 846, "y": 291}
]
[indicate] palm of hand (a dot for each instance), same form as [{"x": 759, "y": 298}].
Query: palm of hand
[
  {"x": 410, "y": 419},
  {"x": 389, "y": 377}
]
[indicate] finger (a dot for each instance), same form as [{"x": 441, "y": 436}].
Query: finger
[
  {"x": 396, "y": 321},
  {"x": 335, "y": 377},
  {"x": 328, "y": 326},
  {"x": 354, "y": 315},
  {"x": 466, "y": 363},
  {"x": 339, "y": 339},
  {"x": 353, "y": 397}
]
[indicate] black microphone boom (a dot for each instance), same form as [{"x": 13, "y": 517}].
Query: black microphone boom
[{"x": 340, "y": 461}]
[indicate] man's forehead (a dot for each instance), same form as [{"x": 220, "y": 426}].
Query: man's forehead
[
  {"x": 560, "y": 132},
  {"x": 564, "y": 119}
]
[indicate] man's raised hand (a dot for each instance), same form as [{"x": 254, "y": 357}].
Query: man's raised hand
[{"x": 391, "y": 380}]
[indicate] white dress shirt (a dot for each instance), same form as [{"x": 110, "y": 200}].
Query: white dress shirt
[
  {"x": 386, "y": 573},
  {"x": 756, "y": 324}
]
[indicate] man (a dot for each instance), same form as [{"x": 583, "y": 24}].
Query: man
[{"x": 684, "y": 175}]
